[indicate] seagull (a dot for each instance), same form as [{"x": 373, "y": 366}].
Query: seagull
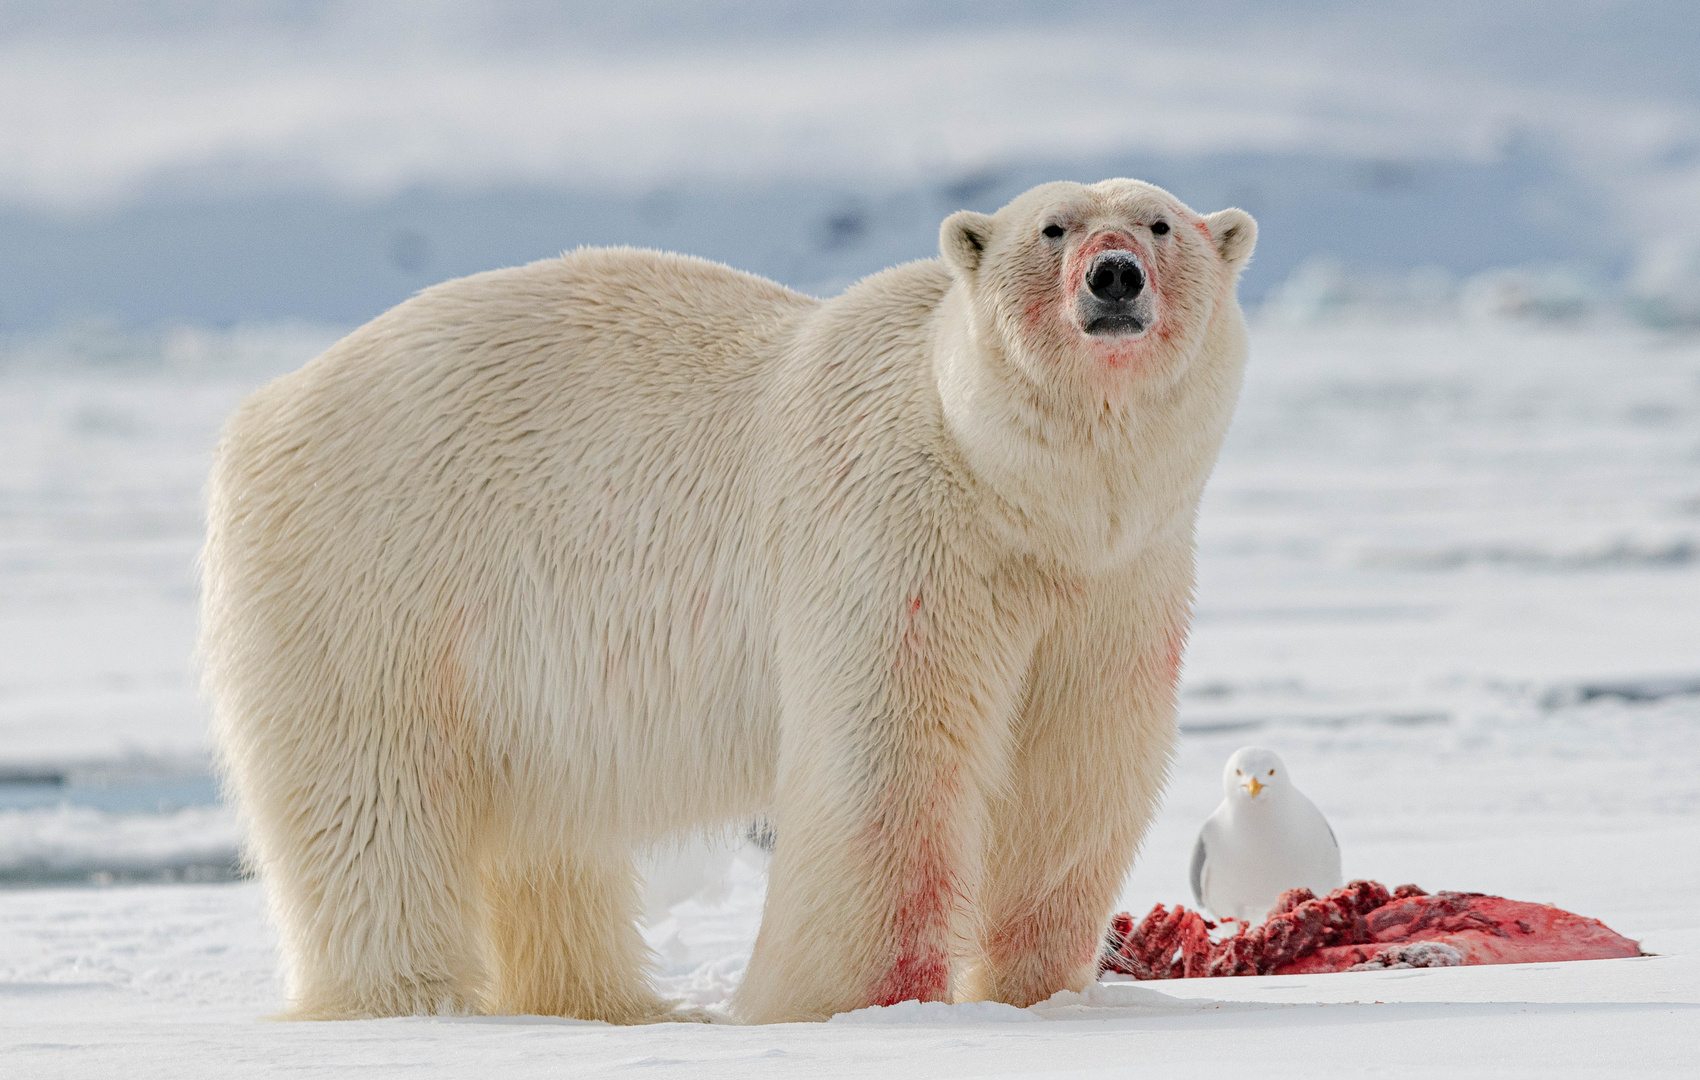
[{"x": 1264, "y": 839}]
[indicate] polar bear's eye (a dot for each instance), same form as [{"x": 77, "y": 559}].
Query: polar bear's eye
[
  {"x": 1053, "y": 231},
  {"x": 1158, "y": 228}
]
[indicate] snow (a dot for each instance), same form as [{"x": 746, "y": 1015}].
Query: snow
[
  {"x": 76, "y": 841},
  {"x": 175, "y": 981},
  {"x": 938, "y": 1012},
  {"x": 1450, "y": 571}
]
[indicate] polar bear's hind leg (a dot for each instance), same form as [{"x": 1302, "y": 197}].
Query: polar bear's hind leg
[
  {"x": 371, "y": 907},
  {"x": 564, "y": 941}
]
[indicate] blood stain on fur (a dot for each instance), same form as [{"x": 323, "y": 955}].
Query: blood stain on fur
[{"x": 921, "y": 969}]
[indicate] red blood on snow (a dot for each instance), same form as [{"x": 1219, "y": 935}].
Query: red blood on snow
[{"x": 1360, "y": 925}]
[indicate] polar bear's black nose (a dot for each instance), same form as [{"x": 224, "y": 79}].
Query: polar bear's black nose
[{"x": 1115, "y": 276}]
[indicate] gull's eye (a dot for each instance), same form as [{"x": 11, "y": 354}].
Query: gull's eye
[
  {"x": 1238, "y": 773},
  {"x": 1158, "y": 228},
  {"x": 1271, "y": 772},
  {"x": 1053, "y": 231}
]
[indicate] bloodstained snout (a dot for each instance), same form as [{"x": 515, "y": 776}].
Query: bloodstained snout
[
  {"x": 1115, "y": 276},
  {"x": 1115, "y": 300}
]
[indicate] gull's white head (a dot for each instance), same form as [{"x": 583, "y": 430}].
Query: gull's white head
[{"x": 1252, "y": 773}]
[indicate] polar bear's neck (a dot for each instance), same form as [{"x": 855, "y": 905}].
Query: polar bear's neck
[{"x": 1088, "y": 488}]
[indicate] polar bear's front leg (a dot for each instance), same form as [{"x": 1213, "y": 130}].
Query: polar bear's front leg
[
  {"x": 861, "y": 899},
  {"x": 1092, "y": 751},
  {"x": 881, "y": 810}
]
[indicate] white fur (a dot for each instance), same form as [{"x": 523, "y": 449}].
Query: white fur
[{"x": 548, "y": 564}]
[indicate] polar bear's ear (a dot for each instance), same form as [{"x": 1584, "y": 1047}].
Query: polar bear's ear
[
  {"x": 962, "y": 240},
  {"x": 1235, "y": 234}
]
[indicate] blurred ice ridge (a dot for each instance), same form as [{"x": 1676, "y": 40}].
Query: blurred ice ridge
[{"x": 1662, "y": 294}]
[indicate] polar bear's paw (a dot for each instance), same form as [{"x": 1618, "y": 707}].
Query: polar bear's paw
[
  {"x": 406, "y": 998},
  {"x": 677, "y": 1012}
]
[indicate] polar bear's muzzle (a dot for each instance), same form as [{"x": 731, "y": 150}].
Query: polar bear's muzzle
[{"x": 1115, "y": 300}]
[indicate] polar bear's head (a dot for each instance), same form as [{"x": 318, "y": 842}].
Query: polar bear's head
[{"x": 1097, "y": 286}]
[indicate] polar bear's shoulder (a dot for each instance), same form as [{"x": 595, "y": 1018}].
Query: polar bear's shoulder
[{"x": 885, "y": 315}]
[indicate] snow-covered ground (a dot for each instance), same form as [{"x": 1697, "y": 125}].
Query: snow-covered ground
[{"x": 1449, "y": 570}]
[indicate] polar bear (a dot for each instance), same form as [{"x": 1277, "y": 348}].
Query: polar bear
[{"x": 547, "y": 564}]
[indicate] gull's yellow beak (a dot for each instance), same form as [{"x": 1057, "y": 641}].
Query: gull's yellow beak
[{"x": 1254, "y": 786}]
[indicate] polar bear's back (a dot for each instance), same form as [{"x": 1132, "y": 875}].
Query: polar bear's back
[
  {"x": 521, "y": 385},
  {"x": 537, "y": 355},
  {"x": 617, "y": 316},
  {"x": 514, "y": 496}
]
